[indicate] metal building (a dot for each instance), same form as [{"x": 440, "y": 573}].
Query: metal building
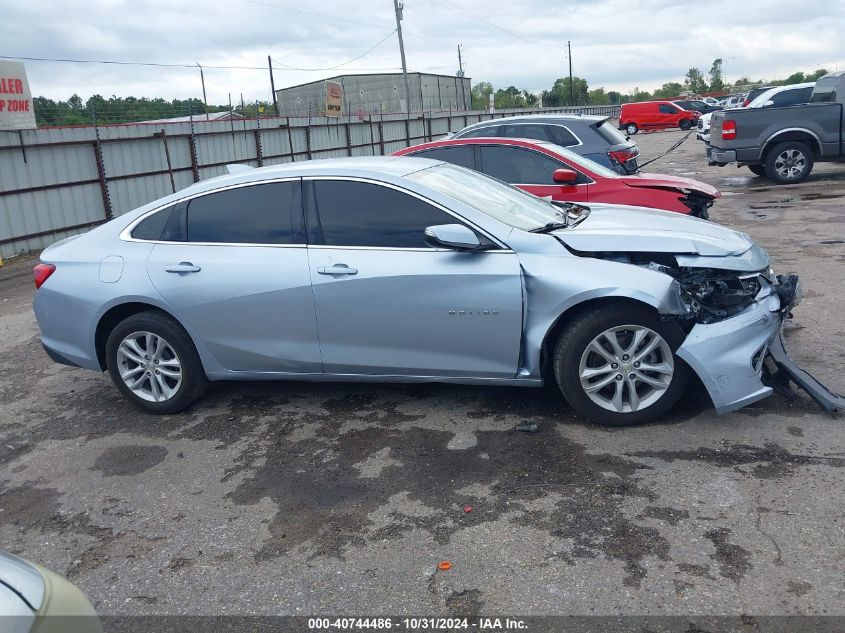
[{"x": 375, "y": 93}]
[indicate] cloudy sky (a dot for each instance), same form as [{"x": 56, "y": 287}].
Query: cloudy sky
[{"x": 618, "y": 44}]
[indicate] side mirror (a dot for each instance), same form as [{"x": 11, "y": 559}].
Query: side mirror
[
  {"x": 565, "y": 176},
  {"x": 455, "y": 236}
]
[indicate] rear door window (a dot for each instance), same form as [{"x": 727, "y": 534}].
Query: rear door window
[
  {"x": 256, "y": 214},
  {"x": 462, "y": 155},
  {"x": 534, "y": 131},
  {"x": 490, "y": 130}
]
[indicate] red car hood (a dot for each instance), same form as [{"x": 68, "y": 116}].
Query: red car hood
[{"x": 661, "y": 181}]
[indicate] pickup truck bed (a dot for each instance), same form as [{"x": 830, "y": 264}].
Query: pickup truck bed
[{"x": 783, "y": 143}]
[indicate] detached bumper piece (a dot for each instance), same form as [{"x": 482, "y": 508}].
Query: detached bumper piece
[
  {"x": 789, "y": 291},
  {"x": 824, "y": 397}
]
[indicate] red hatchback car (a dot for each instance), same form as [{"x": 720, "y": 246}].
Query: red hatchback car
[
  {"x": 545, "y": 169},
  {"x": 655, "y": 115}
]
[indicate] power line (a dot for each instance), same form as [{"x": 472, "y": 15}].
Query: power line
[
  {"x": 163, "y": 65},
  {"x": 319, "y": 15},
  {"x": 122, "y": 63},
  {"x": 366, "y": 52},
  {"x": 478, "y": 17}
]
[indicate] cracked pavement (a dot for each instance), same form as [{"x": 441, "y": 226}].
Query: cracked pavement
[{"x": 295, "y": 498}]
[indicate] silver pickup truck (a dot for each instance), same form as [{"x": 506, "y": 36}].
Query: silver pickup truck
[{"x": 783, "y": 143}]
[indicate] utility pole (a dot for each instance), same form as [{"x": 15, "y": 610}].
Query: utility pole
[
  {"x": 204, "y": 100},
  {"x": 569, "y": 55},
  {"x": 397, "y": 7},
  {"x": 461, "y": 76},
  {"x": 273, "y": 85}
]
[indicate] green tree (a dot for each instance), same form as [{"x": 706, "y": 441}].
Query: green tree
[
  {"x": 640, "y": 95},
  {"x": 560, "y": 94},
  {"x": 614, "y": 97},
  {"x": 669, "y": 90},
  {"x": 530, "y": 98},
  {"x": 816, "y": 75},
  {"x": 598, "y": 96},
  {"x": 716, "y": 82},
  {"x": 480, "y": 94},
  {"x": 694, "y": 81}
]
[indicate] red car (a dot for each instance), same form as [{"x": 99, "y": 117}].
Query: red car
[
  {"x": 545, "y": 169},
  {"x": 655, "y": 115}
]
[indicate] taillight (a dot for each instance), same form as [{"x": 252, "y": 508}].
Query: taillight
[
  {"x": 42, "y": 272},
  {"x": 621, "y": 156},
  {"x": 728, "y": 130}
]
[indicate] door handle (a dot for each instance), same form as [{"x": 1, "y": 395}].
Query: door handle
[
  {"x": 182, "y": 268},
  {"x": 337, "y": 269}
]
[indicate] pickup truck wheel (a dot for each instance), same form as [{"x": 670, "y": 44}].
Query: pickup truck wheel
[
  {"x": 758, "y": 170},
  {"x": 616, "y": 364},
  {"x": 631, "y": 129},
  {"x": 789, "y": 162},
  {"x": 685, "y": 124}
]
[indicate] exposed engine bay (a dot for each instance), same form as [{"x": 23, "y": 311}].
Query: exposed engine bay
[{"x": 710, "y": 294}]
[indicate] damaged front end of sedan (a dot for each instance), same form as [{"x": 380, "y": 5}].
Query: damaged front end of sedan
[{"x": 735, "y": 308}]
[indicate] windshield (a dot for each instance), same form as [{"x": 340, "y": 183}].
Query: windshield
[{"x": 498, "y": 200}]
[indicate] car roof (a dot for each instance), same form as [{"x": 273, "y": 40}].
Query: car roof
[
  {"x": 771, "y": 92},
  {"x": 588, "y": 119},
  {"x": 363, "y": 166}
]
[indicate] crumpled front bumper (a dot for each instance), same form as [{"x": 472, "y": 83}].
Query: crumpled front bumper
[
  {"x": 731, "y": 355},
  {"x": 728, "y": 355}
]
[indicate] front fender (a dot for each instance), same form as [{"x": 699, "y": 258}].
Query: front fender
[{"x": 556, "y": 285}]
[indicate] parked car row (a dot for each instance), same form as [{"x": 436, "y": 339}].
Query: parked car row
[{"x": 433, "y": 265}]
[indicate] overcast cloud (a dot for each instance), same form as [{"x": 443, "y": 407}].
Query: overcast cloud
[{"x": 618, "y": 44}]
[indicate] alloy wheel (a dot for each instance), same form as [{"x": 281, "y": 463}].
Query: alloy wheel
[
  {"x": 790, "y": 163},
  {"x": 626, "y": 368},
  {"x": 149, "y": 366}
]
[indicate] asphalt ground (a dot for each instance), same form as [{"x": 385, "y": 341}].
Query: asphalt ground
[{"x": 339, "y": 499}]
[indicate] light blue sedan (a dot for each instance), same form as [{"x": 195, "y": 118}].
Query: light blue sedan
[{"x": 409, "y": 270}]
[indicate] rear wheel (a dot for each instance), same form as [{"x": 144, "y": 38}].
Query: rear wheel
[
  {"x": 789, "y": 163},
  {"x": 685, "y": 124},
  {"x": 758, "y": 170},
  {"x": 153, "y": 362},
  {"x": 616, "y": 365},
  {"x": 631, "y": 129}
]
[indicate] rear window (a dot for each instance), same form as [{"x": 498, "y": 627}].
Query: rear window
[
  {"x": 825, "y": 90},
  {"x": 609, "y": 133}
]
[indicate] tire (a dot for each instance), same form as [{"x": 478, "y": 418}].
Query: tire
[
  {"x": 789, "y": 163},
  {"x": 631, "y": 129},
  {"x": 173, "y": 354},
  {"x": 574, "y": 357},
  {"x": 758, "y": 170},
  {"x": 685, "y": 124}
]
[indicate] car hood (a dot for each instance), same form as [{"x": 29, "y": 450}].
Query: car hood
[
  {"x": 661, "y": 181},
  {"x": 624, "y": 229}
]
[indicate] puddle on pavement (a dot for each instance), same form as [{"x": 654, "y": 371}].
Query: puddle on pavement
[{"x": 739, "y": 181}]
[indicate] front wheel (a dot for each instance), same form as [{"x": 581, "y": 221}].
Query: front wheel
[
  {"x": 154, "y": 364},
  {"x": 631, "y": 129},
  {"x": 685, "y": 124},
  {"x": 789, "y": 163},
  {"x": 616, "y": 365}
]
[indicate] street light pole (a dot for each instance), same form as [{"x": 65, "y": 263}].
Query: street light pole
[{"x": 397, "y": 7}]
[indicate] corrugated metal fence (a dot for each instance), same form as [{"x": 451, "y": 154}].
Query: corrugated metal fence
[{"x": 57, "y": 182}]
